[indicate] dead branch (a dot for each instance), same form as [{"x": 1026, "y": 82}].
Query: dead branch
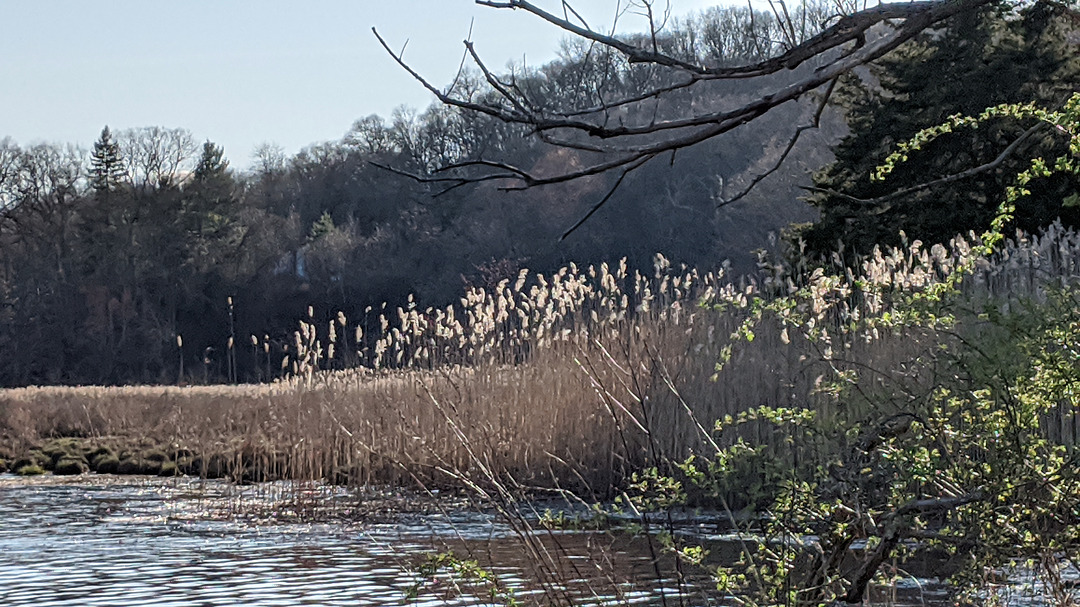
[
  {"x": 814, "y": 123},
  {"x": 848, "y": 28},
  {"x": 611, "y": 192},
  {"x": 630, "y": 145}
]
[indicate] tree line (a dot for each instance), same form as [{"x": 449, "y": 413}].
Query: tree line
[{"x": 119, "y": 262}]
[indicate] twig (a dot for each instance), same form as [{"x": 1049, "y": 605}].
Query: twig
[
  {"x": 700, "y": 127},
  {"x": 814, "y": 123},
  {"x": 603, "y": 201},
  {"x": 982, "y": 168}
]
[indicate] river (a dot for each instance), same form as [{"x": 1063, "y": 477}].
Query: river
[
  {"x": 116, "y": 541},
  {"x": 122, "y": 541}
]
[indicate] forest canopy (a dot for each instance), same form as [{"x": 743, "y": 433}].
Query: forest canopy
[{"x": 982, "y": 59}]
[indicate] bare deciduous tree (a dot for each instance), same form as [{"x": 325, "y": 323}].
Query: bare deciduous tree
[
  {"x": 9, "y": 163},
  {"x": 156, "y": 157},
  {"x": 42, "y": 186},
  {"x": 621, "y": 132}
]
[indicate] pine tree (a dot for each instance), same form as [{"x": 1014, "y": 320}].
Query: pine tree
[
  {"x": 106, "y": 165},
  {"x": 208, "y": 210},
  {"x": 322, "y": 226},
  {"x": 212, "y": 164},
  {"x": 105, "y": 223},
  {"x": 213, "y": 191},
  {"x": 978, "y": 61}
]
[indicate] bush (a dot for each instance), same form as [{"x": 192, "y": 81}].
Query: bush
[
  {"x": 105, "y": 463},
  {"x": 959, "y": 447},
  {"x": 129, "y": 465},
  {"x": 30, "y": 470},
  {"x": 71, "y": 466}
]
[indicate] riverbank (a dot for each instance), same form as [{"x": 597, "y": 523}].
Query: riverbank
[
  {"x": 132, "y": 456},
  {"x": 108, "y": 455},
  {"x": 573, "y": 381},
  {"x": 406, "y": 428}
]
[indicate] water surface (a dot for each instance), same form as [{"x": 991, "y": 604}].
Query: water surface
[
  {"x": 125, "y": 541},
  {"x": 120, "y": 542}
]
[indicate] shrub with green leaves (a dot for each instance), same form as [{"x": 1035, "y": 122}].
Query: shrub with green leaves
[{"x": 965, "y": 451}]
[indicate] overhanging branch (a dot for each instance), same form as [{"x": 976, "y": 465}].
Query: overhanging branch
[
  {"x": 639, "y": 134},
  {"x": 814, "y": 123},
  {"x": 894, "y": 532}
]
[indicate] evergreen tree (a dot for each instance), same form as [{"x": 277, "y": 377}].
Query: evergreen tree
[
  {"x": 106, "y": 165},
  {"x": 105, "y": 226},
  {"x": 208, "y": 210},
  {"x": 212, "y": 164},
  {"x": 979, "y": 60},
  {"x": 323, "y": 226},
  {"x": 211, "y": 192}
]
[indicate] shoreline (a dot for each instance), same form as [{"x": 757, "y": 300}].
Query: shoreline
[{"x": 237, "y": 461}]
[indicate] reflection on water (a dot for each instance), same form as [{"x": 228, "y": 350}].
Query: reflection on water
[
  {"x": 111, "y": 541},
  {"x": 96, "y": 545},
  {"x": 119, "y": 541}
]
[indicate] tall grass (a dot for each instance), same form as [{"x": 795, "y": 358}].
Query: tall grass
[{"x": 569, "y": 381}]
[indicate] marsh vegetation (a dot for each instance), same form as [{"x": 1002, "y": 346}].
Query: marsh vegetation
[
  {"x": 595, "y": 384},
  {"x": 817, "y": 430}
]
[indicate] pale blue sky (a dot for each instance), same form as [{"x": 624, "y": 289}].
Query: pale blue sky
[{"x": 244, "y": 72}]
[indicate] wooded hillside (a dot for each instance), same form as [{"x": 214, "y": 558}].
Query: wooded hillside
[{"x": 109, "y": 255}]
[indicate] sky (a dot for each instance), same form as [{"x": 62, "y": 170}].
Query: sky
[{"x": 247, "y": 72}]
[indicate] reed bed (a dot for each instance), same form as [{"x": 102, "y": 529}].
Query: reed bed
[{"x": 570, "y": 381}]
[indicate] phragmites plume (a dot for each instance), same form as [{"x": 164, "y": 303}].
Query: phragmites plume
[{"x": 528, "y": 313}]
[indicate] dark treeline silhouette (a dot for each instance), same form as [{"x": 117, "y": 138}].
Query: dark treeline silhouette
[
  {"x": 984, "y": 59},
  {"x": 108, "y": 255},
  {"x": 149, "y": 259}
]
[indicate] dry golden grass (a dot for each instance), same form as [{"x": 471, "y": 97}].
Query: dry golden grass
[{"x": 572, "y": 380}]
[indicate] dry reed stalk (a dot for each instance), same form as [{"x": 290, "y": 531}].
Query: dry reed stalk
[{"x": 571, "y": 380}]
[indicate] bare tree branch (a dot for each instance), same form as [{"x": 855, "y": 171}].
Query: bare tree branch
[
  {"x": 633, "y": 53},
  {"x": 848, "y": 28},
  {"x": 813, "y": 124},
  {"x": 622, "y": 134},
  {"x": 625, "y": 142},
  {"x": 649, "y": 94},
  {"x": 611, "y": 191}
]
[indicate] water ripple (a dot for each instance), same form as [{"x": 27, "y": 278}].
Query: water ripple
[{"x": 120, "y": 544}]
